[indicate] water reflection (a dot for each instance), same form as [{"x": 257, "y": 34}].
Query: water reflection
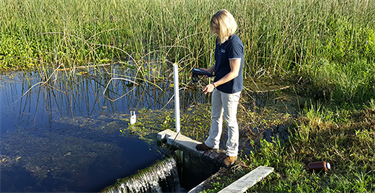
[
  {"x": 61, "y": 131},
  {"x": 64, "y": 133}
]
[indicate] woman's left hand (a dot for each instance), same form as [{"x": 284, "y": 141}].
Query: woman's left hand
[{"x": 209, "y": 88}]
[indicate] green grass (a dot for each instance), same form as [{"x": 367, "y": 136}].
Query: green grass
[
  {"x": 343, "y": 138},
  {"x": 347, "y": 84}
]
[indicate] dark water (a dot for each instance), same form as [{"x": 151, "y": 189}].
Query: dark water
[{"x": 64, "y": 135}]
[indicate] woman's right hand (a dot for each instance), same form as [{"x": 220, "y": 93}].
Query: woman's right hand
[{"x": 209, "y": 88}]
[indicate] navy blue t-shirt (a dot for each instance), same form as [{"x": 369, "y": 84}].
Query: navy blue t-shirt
[{"x": 231, "y": 49}]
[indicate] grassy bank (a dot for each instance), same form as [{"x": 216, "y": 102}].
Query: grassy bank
[
  {"x": 347, "y": 143},
  {"x": 343, "y": 138}
]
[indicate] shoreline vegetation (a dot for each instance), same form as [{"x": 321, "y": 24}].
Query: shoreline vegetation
[{"x": 323, "y": 49}]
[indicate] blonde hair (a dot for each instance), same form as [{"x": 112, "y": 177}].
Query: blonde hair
[{"x": 225, "y": 23}]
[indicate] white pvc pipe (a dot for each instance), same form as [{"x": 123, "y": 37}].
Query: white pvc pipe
[{"x": 176, "y": 97}]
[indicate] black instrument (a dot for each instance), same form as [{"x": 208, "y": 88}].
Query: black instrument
[{"x": 197, "y": 72}]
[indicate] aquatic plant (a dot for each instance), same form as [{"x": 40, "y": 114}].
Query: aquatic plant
[
  {"x": 281, "y": 39},
  {"x": 278, "y": 36}
]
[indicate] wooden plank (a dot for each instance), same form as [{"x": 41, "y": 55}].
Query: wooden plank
[{"x": 248, "y": 180}]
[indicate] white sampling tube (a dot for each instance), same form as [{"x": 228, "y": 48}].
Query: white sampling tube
[{"x": 176, "y": 97}]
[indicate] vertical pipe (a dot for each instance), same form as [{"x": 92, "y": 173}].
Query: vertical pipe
[{"x": 176, "y": 97}]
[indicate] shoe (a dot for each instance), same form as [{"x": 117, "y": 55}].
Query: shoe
[
  {"x": 202, "y": 147},
  {"x": 229, "y": 160}
]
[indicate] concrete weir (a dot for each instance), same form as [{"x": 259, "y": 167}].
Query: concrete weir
[
  {"x": 182, "y": 142},
  {"x": 185, "y": 143}
]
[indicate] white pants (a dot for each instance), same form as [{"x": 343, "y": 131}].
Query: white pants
[{"x": 224, "y": 104}]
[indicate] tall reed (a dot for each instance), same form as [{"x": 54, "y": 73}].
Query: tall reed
[{"x": 279, "y": 37}]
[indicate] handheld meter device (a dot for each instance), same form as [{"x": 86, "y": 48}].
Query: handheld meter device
[{"x": 197, "y": 72}]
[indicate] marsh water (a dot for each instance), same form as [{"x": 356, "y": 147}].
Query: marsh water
[{"x": 68, "y": 131}]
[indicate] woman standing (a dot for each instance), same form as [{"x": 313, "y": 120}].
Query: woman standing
[{"x": 227, "y": 85}]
